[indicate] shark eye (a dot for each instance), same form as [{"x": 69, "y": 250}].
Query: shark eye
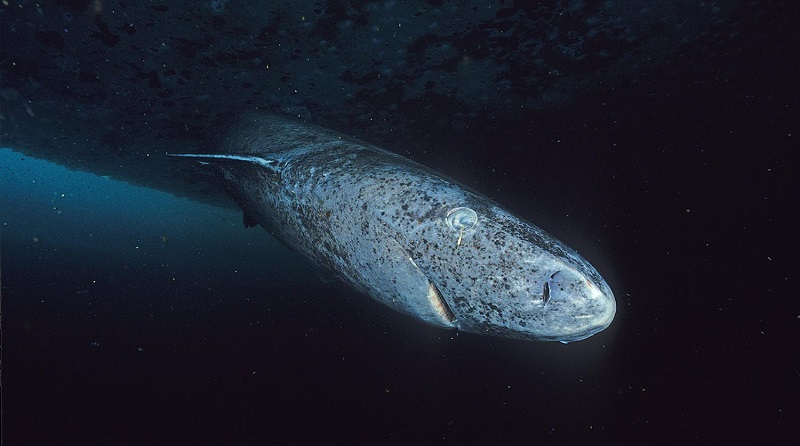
[{"x": 461, "y": 219}]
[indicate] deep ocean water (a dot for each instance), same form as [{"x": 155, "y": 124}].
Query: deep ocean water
[{"x": 658, "y": 139}]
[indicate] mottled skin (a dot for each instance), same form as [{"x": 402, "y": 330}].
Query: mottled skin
[{"x": 379, "y": 222}]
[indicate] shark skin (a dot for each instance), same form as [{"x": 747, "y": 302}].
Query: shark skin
[{"x": 405, "y": 235}]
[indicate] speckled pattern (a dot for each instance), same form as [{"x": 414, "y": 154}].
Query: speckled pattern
[{"x": 378, "y": 221}]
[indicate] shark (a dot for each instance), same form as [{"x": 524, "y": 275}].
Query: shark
[{"x": 404, "y": 234}]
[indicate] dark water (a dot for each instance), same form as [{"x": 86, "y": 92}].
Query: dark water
[{"x": 131, "y": 316}]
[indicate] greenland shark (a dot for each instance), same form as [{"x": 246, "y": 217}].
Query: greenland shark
[{"x": 405, "y": 235}]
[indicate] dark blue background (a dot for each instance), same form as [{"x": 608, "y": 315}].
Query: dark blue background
[{"x": 134, "y": 317}]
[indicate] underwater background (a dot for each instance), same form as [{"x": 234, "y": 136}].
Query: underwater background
[{"x": 658, "y": 140}]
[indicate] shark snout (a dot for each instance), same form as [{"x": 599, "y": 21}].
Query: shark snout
[{"x": 579, "y": 307}]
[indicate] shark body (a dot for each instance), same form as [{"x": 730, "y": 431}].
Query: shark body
[{"x": 406, "y": 235}]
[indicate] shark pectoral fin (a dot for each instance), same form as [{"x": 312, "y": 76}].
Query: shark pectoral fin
[
  {"x": 440, "y": 305},
  {"x": 248, "y": 220},
  {"x": 406, "y": 288},
  {"x": 326, "y": 277}
]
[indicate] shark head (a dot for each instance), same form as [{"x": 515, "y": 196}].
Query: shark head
[{"x": 496, "y": 274}]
